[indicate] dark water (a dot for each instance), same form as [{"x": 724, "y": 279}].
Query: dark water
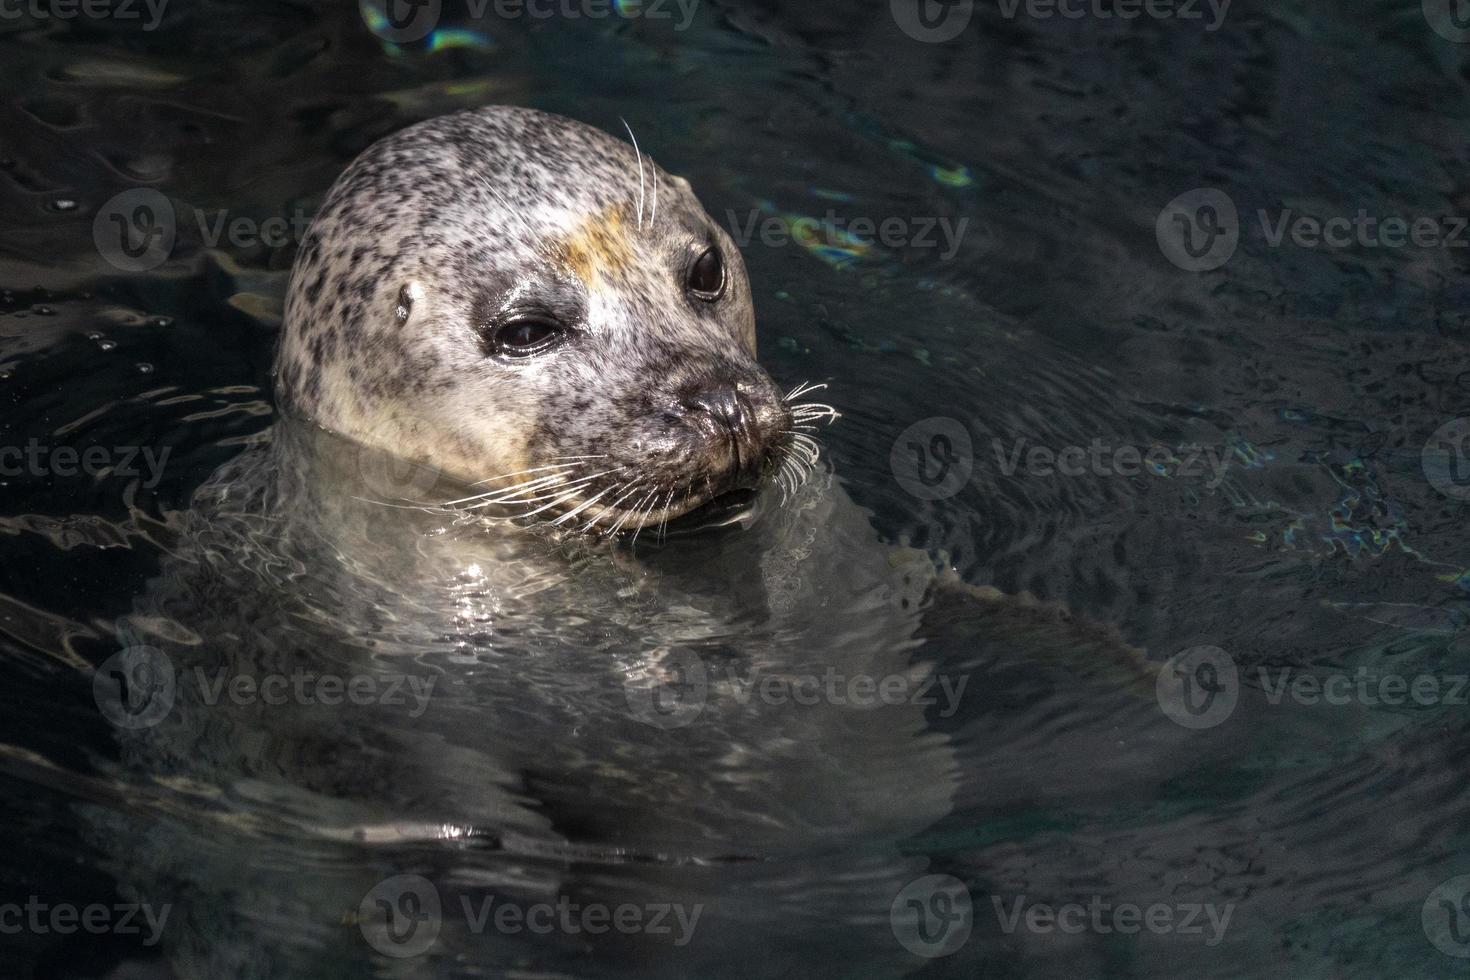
[{"x": 1300, "y": 513}]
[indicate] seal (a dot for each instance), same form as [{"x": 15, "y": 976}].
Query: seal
[
  {"x": 526, "y": 304},
  {"x": 332, "y": 711}
]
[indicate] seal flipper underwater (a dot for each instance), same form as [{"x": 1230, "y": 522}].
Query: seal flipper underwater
[{"x": 579, "y": 363}]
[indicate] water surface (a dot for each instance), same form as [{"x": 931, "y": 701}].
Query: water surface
[{"x": 1287, "y": 520}]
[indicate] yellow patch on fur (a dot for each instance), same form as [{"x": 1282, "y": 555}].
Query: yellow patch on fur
[{"x": 599, "y": 245}]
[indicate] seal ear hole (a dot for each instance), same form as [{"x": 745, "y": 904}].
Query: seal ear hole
[
  {"x": 707, "y": 276},
  {"x": 403, "y": 309}
]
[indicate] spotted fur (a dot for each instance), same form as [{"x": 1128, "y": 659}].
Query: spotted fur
[{"x": 435, "y": 234}]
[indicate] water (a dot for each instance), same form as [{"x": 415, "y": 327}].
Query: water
[{"x": 1288, "y": 519}]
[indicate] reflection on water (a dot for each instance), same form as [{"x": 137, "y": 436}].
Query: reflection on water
[{"x": 1186, "y": 698}]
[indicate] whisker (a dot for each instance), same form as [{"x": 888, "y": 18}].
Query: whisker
[
  {"x": 663, "y": 524},
  {"x": 810, "y": 411},
  {"x": 537, "y": 469},
  {"x": 571, "y": 492},
  {"x": 584, "y": 505},
  {"x": 540, "y": 483},
  {"x": 652, "y": 500},
  {"x": 517, "y": 499},
  {"x": 639, "y": 155},
  {"x": 653, "y": 211},
  {"x": 618, "y": 524},
  {"x": 612, "y": 506},
  {"x": 426, "y": 508},
  {"x": 805, "y": 388}
]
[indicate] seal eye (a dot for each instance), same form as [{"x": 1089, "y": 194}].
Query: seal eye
[
  {"x": 707, "y": 276},
  {"x": 523, "y": 338}
]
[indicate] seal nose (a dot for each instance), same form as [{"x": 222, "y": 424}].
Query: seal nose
[
  {"x": 727, "y": 414},
  {"x": 722, "y": 402}
]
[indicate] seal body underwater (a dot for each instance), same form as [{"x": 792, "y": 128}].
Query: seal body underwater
[{"x": 513, "y": 345}]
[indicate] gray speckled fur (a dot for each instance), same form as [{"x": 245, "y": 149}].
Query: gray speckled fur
[{"x": 487, "y": 210}]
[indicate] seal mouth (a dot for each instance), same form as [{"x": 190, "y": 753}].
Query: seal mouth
[
  {"x": 624, "y": 498},
  {"x": 731, "y": 507},
  {"x": 689, "y": 516}
]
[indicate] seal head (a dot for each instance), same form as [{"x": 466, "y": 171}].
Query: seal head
[{"x": 533, "y": 307}]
